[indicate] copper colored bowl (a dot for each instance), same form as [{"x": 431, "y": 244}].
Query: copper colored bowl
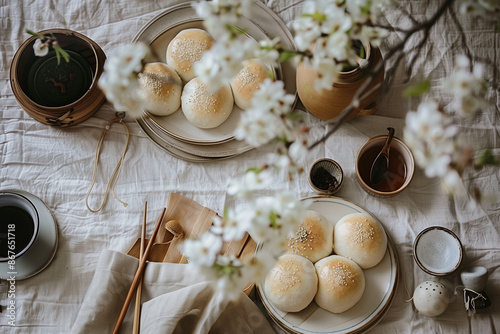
[
  {"x": 60, "y": 95},
  {"x": 401, "y": 167}
]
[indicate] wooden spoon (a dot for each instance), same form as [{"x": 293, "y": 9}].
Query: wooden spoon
[{"x": 381, "y": 164}]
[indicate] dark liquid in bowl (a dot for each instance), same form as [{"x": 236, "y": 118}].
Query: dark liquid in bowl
[
  {"x": 395, "y": 176},
  {"x": 17, "y": 225}
]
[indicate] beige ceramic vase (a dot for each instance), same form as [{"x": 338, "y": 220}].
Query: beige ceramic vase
[{"x": 328, "y": 104}]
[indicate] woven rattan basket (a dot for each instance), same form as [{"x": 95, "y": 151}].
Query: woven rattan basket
[{"x": 34, "y": 80}]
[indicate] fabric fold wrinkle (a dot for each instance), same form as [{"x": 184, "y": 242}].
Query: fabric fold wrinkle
[{"x": 173, "y": 301}]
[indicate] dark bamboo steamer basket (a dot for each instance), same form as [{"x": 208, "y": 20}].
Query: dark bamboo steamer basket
[{"x": 74, "y": 112}]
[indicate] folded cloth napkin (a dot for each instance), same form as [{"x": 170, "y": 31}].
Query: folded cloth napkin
[{"x": 173, "y": 300}]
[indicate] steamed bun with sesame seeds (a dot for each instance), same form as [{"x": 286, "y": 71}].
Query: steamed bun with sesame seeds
[
  {"x": 203, "y": 108},
  {"x": 162, "y": 88},
  {"x": 313, "y": 239},
  {"x": 341, "y": 283},
  {"x": 187, "y": 48},
  {"x": 361, "y": 238},
  {"x": 292, "y": 283},
  {"x": 247, "y": 81}
]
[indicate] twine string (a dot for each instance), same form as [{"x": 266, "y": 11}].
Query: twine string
[
  {"x": 470, "y": 303},
  {"x": 116, "y": 172}
]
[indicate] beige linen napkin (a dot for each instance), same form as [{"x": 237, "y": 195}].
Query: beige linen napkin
[{"x": 173, "y": 298}]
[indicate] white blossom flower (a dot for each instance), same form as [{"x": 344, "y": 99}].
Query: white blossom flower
[
  {"x": 305, "y": 35},
  {"x": 120, "y": 82},
  {"x": 290, "y": 209},
  {"x": 208, "y": 69},
  {"x": 328, "y": 29},
  {"x": 378, "y": 7},
  {"x": 263, "y": 121},
  {"x": 258, "y": 127},
  {"x": 127, "y": 59},
  {"x": 224, "y": 60},
  {"x": 218, "y": 15},
  {"x": 272, "y": 96},
  {"x": 430, "y": 135},
  {"x": 468, "y": 87},
  {"x": 436, "y": 164},
  {"x": 41, "y": 49},
  {"x": 256, "y": 268},
  {"x": 231, "y": 226},
  {"x": 267, "y": 52},
  {"x": 429, "y": 122},
  {"x": 452, "y": 183},
  {"x": 254, "y": 179},
  {"x": 359, "y": 10},
  {"x": 125, "y": 93},
  {"x": 299, "y": 149},
  {"x": 335, "y": 19},
  {"x": 203, "y": 251},
  {"x": 229, "y": 286},
  {"x": 374, "y": 34},
  {"x": 327, "y": 71}
]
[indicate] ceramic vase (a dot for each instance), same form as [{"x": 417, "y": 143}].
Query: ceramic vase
[{"x": 328, "y": 104}]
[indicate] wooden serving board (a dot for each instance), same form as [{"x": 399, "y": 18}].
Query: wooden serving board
[{"x": 195, "y": 220}]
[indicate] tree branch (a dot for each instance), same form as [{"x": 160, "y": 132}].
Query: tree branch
[{"x": 425, "y": 27}]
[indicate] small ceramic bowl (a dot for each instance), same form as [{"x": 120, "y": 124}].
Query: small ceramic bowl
[
  {"x": 325, "y": 176},
  {"x": 400, "y": 171},
  {"x": 61, "y": 94},
  {"x": 474, "y": 278},
  {"x": 437, "y": 251}
]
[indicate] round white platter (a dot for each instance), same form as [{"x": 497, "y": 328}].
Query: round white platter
[
  {"x": 172, "y": 150},
  {"x": 158, "y": 32},
  {"x": 381, "y": 285}
]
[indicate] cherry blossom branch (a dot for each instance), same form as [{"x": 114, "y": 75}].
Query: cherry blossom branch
[{"x": 398, "y": 48}]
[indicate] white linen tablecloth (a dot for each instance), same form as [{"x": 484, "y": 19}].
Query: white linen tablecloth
[{"x": 56, "y": 164}]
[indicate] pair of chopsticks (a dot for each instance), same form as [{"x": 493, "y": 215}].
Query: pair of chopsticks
[{"x": 136, "y": 283}]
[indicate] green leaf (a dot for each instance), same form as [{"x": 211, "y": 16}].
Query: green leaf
[
  {"x": 63, "y": 53},
  {"x": 294, "y": 116},
  {"x": 254, "y": 169},
  {"x": 362, "y": 52},
  {"x": 37, "y": 35},
  {"x": 273, "y": 218},
  {"x": 487, "y": 159},
  {"x": 286, "y": 55},
  {"x": 58, "y": 57},
  {"x": 235, "y": 31},
  {"x": 417, "y": 89},
  {"x": 316, "y": 16}
]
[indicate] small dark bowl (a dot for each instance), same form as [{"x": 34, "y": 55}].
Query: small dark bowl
[{"x": 325, "y": 176}]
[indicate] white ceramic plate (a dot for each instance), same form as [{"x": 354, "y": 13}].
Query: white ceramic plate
[
  {"x": 223, "y": 150},
  {"x": 381, "y": 286},
  {"x": 163, "y": 28},
  {"x": 160, "y": 142},
  {"x": 41, "y": 253}
]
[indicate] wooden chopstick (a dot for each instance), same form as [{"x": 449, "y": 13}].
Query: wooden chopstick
[
  {"x": 137, "y": 311},
  {"x": 138, "y": 275}
]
